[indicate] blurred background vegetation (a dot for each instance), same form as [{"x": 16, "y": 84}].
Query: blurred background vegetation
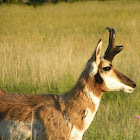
[{"x": 40, "y": 2}]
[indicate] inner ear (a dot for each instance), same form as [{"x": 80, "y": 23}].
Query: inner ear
[
  {"x": 98, "y": 49},
  {"x": 97, "y": 52},
  {"x": 95, "y": 59}
]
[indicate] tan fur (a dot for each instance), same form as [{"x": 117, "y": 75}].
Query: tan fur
[{"x": 44, "y": 108}]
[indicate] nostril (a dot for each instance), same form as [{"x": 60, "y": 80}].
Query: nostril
[{"x": 134, "y": 85}]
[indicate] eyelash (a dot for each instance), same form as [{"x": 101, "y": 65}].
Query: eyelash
[{"x": 107, "y": 68}]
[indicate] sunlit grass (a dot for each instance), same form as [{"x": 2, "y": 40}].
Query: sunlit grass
[{"x": 45, "y": 49}]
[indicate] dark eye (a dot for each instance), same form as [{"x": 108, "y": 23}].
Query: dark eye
[{"x": 107, "y": 68}]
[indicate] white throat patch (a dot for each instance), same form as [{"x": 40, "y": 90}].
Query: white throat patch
[
  {"x": 77, "y": 134},
  {"x": 94, "y": 98},
  {"x": 89, "y": 115}
]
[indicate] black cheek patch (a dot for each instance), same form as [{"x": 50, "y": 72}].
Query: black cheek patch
[{"x": 98, "y": 78}]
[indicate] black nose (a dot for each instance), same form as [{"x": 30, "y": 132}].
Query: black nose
[{"x": 134, "y": 85}]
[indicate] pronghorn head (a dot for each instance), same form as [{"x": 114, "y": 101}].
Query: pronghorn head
[{"x": 101, "y": 68}]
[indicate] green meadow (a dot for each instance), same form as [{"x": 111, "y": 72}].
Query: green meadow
[{"x": 44, "y": 50}]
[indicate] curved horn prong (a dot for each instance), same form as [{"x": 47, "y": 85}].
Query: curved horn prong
[{"x": 112, "y": 50}]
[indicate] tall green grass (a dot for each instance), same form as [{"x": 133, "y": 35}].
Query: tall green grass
[{"x": 44, "y": 50}]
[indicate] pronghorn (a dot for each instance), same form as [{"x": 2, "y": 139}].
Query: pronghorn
[{"x": 68, "y": 116}]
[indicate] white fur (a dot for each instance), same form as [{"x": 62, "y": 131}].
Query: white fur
[
  {"x": 115, "y": 85},
  {"x": 89, "y": 116},
  {"x": 16, "y": 130},
  {"x": 94, "y": 98},
  {"x": 78, "y": 134},
  {"x": 94, "y": 68},
  {"x": 88, "y": 119}
]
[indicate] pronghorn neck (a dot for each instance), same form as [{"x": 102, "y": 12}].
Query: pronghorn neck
[
  {"x": 82, "y": 102},
  {"x": 86, "y": 85}
]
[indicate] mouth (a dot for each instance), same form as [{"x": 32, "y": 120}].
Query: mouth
[{"x": 129, "y": 90}]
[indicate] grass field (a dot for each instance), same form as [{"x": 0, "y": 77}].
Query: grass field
[{"x": 44, "y": 50}]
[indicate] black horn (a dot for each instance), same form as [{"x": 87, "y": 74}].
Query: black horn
[{"x": 112, "y": 50}]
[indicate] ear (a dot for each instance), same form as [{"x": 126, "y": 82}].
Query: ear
[
  {"x": 97, "y": 52},
  {"x": 95, "y": 59}
]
